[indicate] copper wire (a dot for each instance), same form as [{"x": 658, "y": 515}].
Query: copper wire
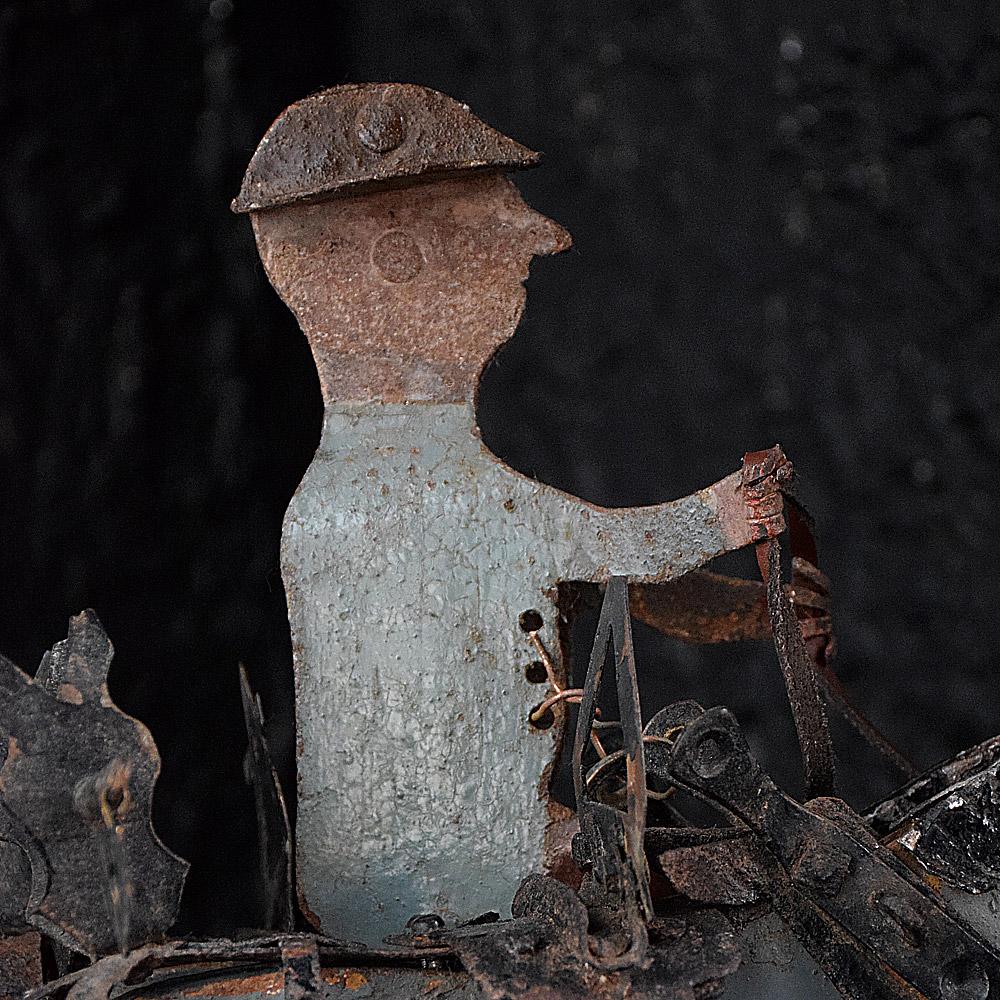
[{"x": 572, "y": 696}]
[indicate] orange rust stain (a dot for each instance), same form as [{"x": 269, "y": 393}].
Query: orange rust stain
[
  {"x": 560, "y": 828},
  {"x": 310, "y": 917},
  {"x": 268, "y": 982},
  {"x": 349, "y": 978},
  {"x": 70, "y": 694},
  {"x": 13, "y": 752},
  {"x": 909, "y": 988},
  {"x": 906, "y": 856}
]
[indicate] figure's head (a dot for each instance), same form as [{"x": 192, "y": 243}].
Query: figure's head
[{"x": 385, "y": 221}]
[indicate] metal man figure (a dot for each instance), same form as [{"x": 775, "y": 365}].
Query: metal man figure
[{"x": 386, "y": 221}]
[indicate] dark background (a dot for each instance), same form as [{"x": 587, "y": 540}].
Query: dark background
[{"x": 786, "y": 225}]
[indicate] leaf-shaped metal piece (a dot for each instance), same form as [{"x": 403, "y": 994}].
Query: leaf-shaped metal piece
[{"x": 76, "y": 790}]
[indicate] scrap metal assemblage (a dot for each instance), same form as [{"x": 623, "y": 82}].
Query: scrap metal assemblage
[{"x": 430, "y": 591}]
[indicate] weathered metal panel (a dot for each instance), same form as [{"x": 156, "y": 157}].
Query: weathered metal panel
[
  {"x": 360, "y": 134},
  {"x": 76, "y": 794},
  {"x": 409, "y": 554}
]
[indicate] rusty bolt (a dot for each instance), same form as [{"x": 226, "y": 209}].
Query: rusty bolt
[
  {"x": 712, "y": 754},
  {"x": 964, "y": 979},
  {"x": 822, "y": 867}
]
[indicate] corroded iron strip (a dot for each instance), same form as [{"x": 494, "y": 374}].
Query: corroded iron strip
[
  {"x": 888, "y": 923},
  {"x": 221, "y": 954},
  {"x": 765, "y": 473},
  {"x": 797, "y": 668}
]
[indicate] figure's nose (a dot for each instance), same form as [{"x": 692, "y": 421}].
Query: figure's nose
[{"x": 548, "y": 236}]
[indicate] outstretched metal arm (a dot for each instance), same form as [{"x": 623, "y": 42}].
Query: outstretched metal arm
[{"x": 650, "y": 544}]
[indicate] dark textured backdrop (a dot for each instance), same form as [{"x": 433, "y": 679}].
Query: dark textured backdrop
[{"x": 786, "y": 223}]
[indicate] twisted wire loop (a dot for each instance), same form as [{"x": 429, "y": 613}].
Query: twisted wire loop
[
  {"x": 571, "y": 696},
  {"x": 607, "y": 766}
]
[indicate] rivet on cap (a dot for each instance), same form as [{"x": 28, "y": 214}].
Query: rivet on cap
[{"x": 380, "y": 125}]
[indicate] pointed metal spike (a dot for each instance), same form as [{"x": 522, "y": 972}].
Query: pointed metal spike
[
  {"x": 273, "y": 830},
  {"x": 76, "y": 669}
]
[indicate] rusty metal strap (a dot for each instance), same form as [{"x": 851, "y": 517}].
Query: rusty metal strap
[
  {"x": 802, "y": 631},
  {"x": 706, "y": 607},
  {"x": 804, "y": 698},
  {"x": 765, "y": 474}
]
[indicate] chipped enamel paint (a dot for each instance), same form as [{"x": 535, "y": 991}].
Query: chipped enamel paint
[{"x": 409, "y": 554}]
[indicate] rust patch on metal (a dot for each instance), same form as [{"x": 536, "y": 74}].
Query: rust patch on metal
[
  {"x": 703, "y": 607},
  {"x": 562, "y": 828},
  {"x": 350, "y": 979},
  {"x": 266, "y": 982},
  {"x": 70, "y": 694},
  {"x": 20, "y": 964},
  {"x": 765, "y": 474}
]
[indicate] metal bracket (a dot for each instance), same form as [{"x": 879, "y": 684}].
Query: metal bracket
[{"x": 876, "y": 929}]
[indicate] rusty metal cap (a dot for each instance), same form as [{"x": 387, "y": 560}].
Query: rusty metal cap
[{"x": 370, "y": 133}]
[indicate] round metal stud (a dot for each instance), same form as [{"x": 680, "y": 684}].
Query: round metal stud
[{"x": 380, "y": 126}]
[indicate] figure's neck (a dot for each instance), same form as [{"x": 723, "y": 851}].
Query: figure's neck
[
  {"x": 406, "y": 425},
  {"x": 346, "y": 378}
]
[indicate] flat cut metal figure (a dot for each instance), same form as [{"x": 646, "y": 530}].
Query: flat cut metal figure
[{"x": 385, "y": 220}]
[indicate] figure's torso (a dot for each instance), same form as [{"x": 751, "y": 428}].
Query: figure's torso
[{"x": 409, "y": 554}]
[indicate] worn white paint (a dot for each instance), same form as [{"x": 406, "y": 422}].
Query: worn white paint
[{"x": 409, "y": 552}]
